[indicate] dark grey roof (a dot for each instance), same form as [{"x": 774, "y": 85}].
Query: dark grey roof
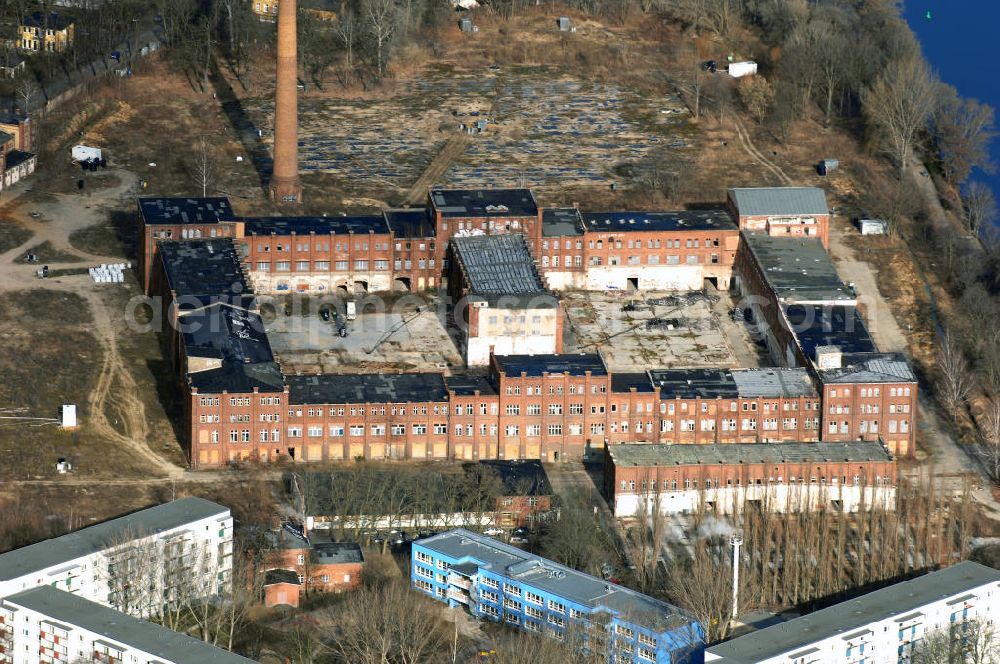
[
  {"x": 15, "y": 158},
  {"x": 83, "y": 542},
  {"x": 774, "y": 382},
  {"x": 233, "y": 377},
  {"x": 732, "y": 383},
  {"x": 779, "y": 201},
  {"x": 52, "y": 21},
  {"x": 121, "y": 628},
  {"x": 521, "y": 478},
  {"x": 748, "y": 453},
  {"x": 624, "y": 382},
  {"x": 683, "y": 220},
  {"x": 336, "y": 553},
  {"x": 895, "y": 600},
  {"x": 536, "y": 365},
  {"x": 559, "y": 222},
  {"x": 362, "y": 224},
  {"x": 484, "y": 202},
  {"x": 695, "y": 383},
  {"x": 273, "y": 576},
  {"x": 797, "y": 269},
  {"x": 469, "y": 384},
  {"x": 185, "y": 210},
  {"x": 564, "y": 582},
  {"x": 498, "y": 265},
  {"x": 203, "y": 268},
  {"x": 226, "y": 332},
  {"x": 870, "y": 368},
  {"x": 817, "y": 325},
  {"x": 411, "y": 222},
  {"x": 367, "y": 388}
]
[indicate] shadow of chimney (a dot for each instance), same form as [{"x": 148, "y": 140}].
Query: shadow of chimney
[{"x": 246, "y": 131}]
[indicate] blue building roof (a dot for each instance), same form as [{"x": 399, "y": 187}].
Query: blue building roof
[
  {"x": 682, "y": 220},
  {"x": 362, "y": 224},
  {"x": 840, "y": 326},
  {"x": 574, "y": 587}
]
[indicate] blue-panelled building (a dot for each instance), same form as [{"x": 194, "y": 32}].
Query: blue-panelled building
[{"x": 500, "y": 582}]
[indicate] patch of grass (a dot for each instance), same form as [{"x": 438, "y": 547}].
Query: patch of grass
[
  {"x": 115, "y": 238},
  {"x": 48, "y": 254},
  {"x": 12, "y": 235}
]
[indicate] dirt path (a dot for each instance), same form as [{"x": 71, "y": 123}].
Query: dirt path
[
  {"x": 756, "y": 154},
  {"x": 451, "y": 151}
]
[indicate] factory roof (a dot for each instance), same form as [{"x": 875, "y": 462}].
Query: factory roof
[
  {"x": 411, "y": 222},
  {"x": 779, "y": 201},
  {"x": 536, "y": 365},
  {"x": 623, "y": 382},
  {"x": 226, "y": 332},
  {"x": 521, "y": 478},
  {"x": 895, "y": 601},
  {"x": 499, "y": 265},
  {"x": 797, "y": 269},
  {"x": 233, "y": 377},
  {"x": 683, "y": 220},
  {"x": 484, "y": 202},
  {"x": 694, "y": 383},
  {"x": 870, "y": 368},
  {"x": 737, "y": 453},
  {"x": 817, "y": 325},
  {"x": 774, "y": 382},
  {"x": 533, "y": 571},
  {"x": 469, "y": 384},
  {"x": 361, "y": 224},
  {"x": 732, "y": 383},
  {"x": 559, "y": 222},
  {"x": 185, "y": 210},
  {"x": 60, "y": 550},
  {"x": 121, "y": 628},
  {"x": 203, "y": 268},
  {"x": 367, "y": 388}
]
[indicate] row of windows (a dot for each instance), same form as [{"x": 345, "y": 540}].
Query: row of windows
[
  {"x": 321, "y": 266},
  {"x": 688, "y": 483},
  {"x": 745, "y": 424},
  {"x": 239, "y": 401},
  {"x": 616, "y": 243},
  {"x": 325, "y": 246},
  {"x": 871, "y": 392}
]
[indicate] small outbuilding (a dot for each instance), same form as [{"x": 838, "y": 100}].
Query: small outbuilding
[
  {"x": 741, "y": 69},
  {"x": 565, "y": 25},
  {"x": 873, "y": 226}
]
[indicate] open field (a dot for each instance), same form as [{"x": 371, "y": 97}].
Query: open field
[{"x": 544, "y": 130}]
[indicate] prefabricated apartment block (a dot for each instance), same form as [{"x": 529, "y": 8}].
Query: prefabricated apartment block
[
  {"x": 881, "y": 627},
  {"x": 46, "y": 625},
  {"x": 499, "y": 582},
  {"x": 184, "y": 543}
]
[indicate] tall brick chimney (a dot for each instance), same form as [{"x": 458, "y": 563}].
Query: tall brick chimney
[{"x": 285, "y": 186}]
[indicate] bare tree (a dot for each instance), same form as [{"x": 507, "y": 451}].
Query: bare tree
[
  {"x": 956, "y": 379},
  {"x": 203, "y": 170},
  {"x": 27, "y": 92},
  {"x": 989, "y": 430},
  {"x": 979, "y": 206},
  {"x": 346, "y": 30},
  {"x": 381, "y": 20},
  {"x": 899, "y": 105},
  {"x": 388, "y": 624},
  {"x": 965, "y": 642},
  {"x": 757, "y": 95},
  {"x": 962, "y": 131}
]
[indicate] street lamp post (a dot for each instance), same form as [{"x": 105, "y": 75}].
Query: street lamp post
[{"x": 736, "y": 542}]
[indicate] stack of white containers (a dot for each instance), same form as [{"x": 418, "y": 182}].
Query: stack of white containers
[{"x": 109, "y": 273}]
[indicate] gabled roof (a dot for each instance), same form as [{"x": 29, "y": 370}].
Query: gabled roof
[
  {"x": 779, "y": 201},
  {"x": 870, "y": 368},
  {"x": 498, "y": 266}
]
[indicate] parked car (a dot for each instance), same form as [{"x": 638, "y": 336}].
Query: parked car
[
  {"x": 518, "y": 539},
  {"x": 494, "y": 532}
]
